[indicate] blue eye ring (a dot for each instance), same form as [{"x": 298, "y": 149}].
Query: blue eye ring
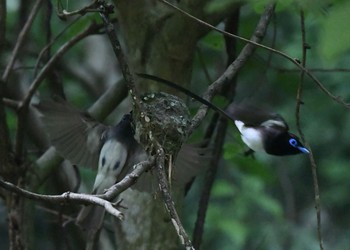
[{"x": 293, "y": 142}]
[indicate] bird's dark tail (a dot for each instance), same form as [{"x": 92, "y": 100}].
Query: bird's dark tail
[{"x": 187, "y": 92}]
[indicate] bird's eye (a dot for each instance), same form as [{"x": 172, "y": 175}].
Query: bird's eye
[{"x": 293, "y": 142}]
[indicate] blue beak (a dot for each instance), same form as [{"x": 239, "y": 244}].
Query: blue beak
[{"x": 304, "y": 150}]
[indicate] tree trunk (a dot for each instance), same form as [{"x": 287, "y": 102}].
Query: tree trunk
[{"x": 161, "y": 41}]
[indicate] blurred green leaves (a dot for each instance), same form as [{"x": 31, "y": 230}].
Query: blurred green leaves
[{"x": 334, "y": 36}]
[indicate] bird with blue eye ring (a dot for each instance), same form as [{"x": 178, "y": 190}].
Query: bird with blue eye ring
[
  {"x": 263, "y": 131},
  {"x": 260, "y": 130}
]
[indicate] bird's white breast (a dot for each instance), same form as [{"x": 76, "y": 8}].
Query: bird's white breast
[
  {"x": 112, "y": 153},
  {"x": 252, "y": 137}
]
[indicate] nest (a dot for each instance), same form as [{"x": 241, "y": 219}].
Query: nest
[{"x": 165, "y": 119}]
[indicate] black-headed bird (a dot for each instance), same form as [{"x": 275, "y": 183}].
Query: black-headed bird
[
  {"x": 265, "y": 132},
  {"x": 259, "y": 129}
]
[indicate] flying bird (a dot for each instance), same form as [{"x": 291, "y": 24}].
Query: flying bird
[
  {"x": 263, "y": 131},
  {"x": 260, "y": 130}
]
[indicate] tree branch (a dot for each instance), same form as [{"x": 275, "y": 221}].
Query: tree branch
[
  {"x": 168, "y": 201},
  {"x": 88, "y": 8},
  {"x": 106, "y": 9},
  {"x": 22, "y": 110},
  {"x": 20, "y": 40},
  {"x": 221, "y": 127},
  {"x": 305, "y": 47},
  {"x": 337, "y": 99},
  {"x": 235, "y": 66},
  {"x": 100, "y": 200},
  {"x": 208, "y": 183}
]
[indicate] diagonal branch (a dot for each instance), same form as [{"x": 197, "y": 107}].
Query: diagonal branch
[
  {"x": 91, "y": 29},
  {"x": 22, "y": 110},
  {"x": 20, "y": 40},
  {"x": 235, "y": 66},
  {"x": 296, "y": 62}
]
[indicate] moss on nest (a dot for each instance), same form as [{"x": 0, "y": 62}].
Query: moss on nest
[{"x": 168, "y": 119}]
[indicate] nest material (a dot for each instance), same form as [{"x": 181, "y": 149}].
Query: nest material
[{"x": 166, "y": 119}]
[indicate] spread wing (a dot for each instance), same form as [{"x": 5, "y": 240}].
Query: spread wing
[
  {"x": 191, "y": 161},
  {"x": 253, "y": 116},
  {"x": 74, "y": 134}
]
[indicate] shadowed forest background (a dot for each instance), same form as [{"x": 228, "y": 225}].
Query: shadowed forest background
[{"x": 260, "y": 202}]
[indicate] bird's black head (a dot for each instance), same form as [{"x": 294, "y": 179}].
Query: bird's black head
[
  {"x": 124, "y": 129},
  {"x": 127, "y": 119},
  {"x": 285, "y": 144},
  {"x": 127, "y": 122}
]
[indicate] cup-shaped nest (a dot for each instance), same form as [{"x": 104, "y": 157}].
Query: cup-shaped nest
[{"x": 165, "y": 118}]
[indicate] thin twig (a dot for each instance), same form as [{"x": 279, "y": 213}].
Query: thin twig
[
  {"x": 11, "y": 103},
  {"x": 88, "y": 8},
  {"x": 317, "y": 195},
  {"x": 337, "y": 99},
  {"x": 22, "y": 114},
  {"x": 91, "y": 29},
  {"x": 48, "y": 46},
  {"x": 319, "y": 70},
  {"x": 65, "y": 197},
  {"x": 20, "y": 40},
  {"x": 105, "y": 10},
  {"x": 305, "y": 47},
  {"x": 302, "y": 77}
]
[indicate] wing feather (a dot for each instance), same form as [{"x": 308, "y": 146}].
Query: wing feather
[{"x": 74, "y": 134}]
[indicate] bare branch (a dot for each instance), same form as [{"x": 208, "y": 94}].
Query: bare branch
[
  {"x": 317, "y": 195},
  {"x": 337, "y": 99},
  {"x": 11, "y": 103},
  {"x": 48, "y": 46},
  {"x": 128, "y": 180},
  {"x": 101, "y": 200},
  {"x": 235, "y": 66},
  {"x": 88, "y": 8},
  {"x": 320, "y": 70},
  {"x": 20, "y": 40},
  {"x": 93, "y": 28},
  {"x": 127, "y": 74},
  {"x": 305, "y": 47},
  {"x": 168, "y": 200}
]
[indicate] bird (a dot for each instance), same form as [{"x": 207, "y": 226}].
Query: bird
[
  {"x": 113, "y": 150},
  {"x": 263, "y": 131},
  {"x": 260, "y": 130},
  {"x": 86, "y": 142}
]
